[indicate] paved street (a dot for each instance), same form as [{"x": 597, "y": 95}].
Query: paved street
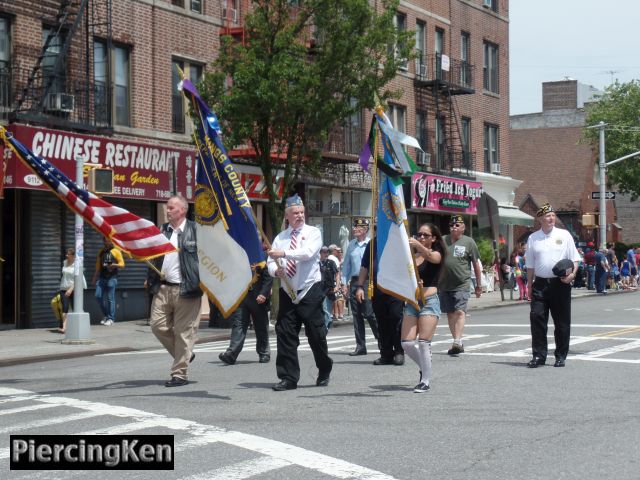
[{"x": 486, "y": 417}]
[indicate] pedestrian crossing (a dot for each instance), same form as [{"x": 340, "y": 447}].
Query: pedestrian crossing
[
  {"x": 594, "y": 347},
  {"x": 193, "y": 442}
]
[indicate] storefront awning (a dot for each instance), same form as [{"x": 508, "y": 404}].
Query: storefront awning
[{"x": 511, "y": 215}]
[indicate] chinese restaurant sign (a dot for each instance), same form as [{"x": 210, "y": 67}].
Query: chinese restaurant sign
[
  {"x": 445, "y": 194},
  {"x": 139, "y": 170}
]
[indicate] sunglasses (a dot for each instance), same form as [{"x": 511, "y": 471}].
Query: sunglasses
[
  {"x": 455, "y": 224},
  {"x": 425, "y": 235}
]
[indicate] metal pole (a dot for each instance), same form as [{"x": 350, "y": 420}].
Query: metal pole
[
  {"x": 603, "y": 201},
  {"x": 78, "y": 322}
]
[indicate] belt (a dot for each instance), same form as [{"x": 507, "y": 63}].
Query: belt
[
  {"x": 170, "y": 284},
  {"x": 544, "y": 280}
]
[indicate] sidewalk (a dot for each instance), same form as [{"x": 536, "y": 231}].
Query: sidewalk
[{"x": 43, "y": 344}]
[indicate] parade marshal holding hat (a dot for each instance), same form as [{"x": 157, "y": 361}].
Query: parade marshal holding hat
[
  {"x": 552, "y": 262},
  {"x": 295, "y": 259}
]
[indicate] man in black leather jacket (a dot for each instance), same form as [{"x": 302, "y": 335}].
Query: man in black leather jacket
[{"x": 175, "y": 309}]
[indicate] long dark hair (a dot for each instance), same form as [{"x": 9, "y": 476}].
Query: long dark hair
[{"x": 438, "y": 245}]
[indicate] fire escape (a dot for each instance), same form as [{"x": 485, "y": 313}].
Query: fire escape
[
  {"x": 59, "y": 85},
  {"x": 438, "y": 81}
]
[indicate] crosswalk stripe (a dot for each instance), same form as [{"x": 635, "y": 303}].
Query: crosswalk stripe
[
  {"x": 28, "y": 408},
  {"x": 614, "y": 349},
  {"x": 504, "y": 341},
  {"x": 49, "y": 421},
  {"x": 242, "y": 470}
]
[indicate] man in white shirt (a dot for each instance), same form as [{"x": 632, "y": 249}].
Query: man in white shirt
[
  {"x": 295, "y": 259},
  {"x": 550, "y": 293}
]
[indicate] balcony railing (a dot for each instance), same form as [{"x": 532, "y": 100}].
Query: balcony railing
[{"x": 455, "y": 74}]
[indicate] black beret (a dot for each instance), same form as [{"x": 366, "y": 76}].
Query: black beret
[{"x": 563, "y": 268}]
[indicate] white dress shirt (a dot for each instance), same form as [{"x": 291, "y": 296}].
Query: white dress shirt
[
  {"x": 545, "y": 250},
  {"x": 306, "y": 255},
  {"x": 171, "y": 262}
]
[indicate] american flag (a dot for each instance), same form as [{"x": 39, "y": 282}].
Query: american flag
[{"x": 134, "y": 235}]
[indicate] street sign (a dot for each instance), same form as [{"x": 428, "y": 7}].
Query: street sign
[{"x": 607, "y": 195}]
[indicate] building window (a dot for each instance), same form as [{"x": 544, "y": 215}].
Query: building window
[
  {"x": 230, "y": 11},
  {"x": 490, "y": 67},
  {"x": 440, "y": 142},
  {"x": 196, "y": 6},
  {"x": 53, "y": 73},
  {"x": 191, "y": 71},
  {"x": 111, "y": 72},
  {"x": 465, "y": 138},
  {"x": 398, "y": 116},
  {"x": 421, "y": 61},
  {"x": 5, "y": 63},
  {"x": 439, "y": 50},
  {"x": 491, "y": 160},
  {"x": 400, "y": 21},
  {"x": 421, "y": 136},
  {"x": 353, "y": 131},
  {"x": 465, "y": 57},
  {"x": 490, "y": 4}
]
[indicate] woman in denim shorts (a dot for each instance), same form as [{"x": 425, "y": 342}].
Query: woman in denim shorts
[{"x": 429, "y": 252}]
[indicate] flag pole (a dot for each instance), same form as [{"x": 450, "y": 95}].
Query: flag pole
[{"x": 375, "y": 191}]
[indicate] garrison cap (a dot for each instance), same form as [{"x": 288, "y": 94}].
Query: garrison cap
[
  {"x": 361, "y": 222},
  {"x": 544, "y": 209},
  {"x": 456, "y": 219}
]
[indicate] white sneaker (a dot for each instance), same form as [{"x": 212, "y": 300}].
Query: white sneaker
[
  {"x": 108, "y": 323},
  {"x": 103, "y": 321}
]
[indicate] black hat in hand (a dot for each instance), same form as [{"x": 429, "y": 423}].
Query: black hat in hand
[{"x": 563, "y": 268}]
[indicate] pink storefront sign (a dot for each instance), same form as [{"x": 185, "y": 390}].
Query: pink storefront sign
[{"x": 444, "y": 194}]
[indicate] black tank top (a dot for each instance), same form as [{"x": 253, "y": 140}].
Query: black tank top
[{"x": 429, "y": 273}]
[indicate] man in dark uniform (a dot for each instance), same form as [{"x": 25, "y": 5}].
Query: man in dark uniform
[
  {"x": 295, "y": 259},
  {"x": 255, "y": 306},
  {"x": 550, "y": 292}
]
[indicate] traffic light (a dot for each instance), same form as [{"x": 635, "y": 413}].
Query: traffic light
[{"x": 101, "y": 181}]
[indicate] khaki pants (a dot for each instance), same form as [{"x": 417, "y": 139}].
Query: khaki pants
[{"x": 175, "y": 321}]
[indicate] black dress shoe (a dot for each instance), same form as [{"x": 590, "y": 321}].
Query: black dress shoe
[
  {"x": 398, "y": 359},
  {"x": 559, "y": 362},
  {"x": 176, "y": 382},
  {"x": 356, "y": 353},
  {"x": 264, "y": 358},
  {"x": 383, "y": 361},
  {"x": 535, "y": 362},
  {"x": 283, "y": 385},
  {"x": 193, "y": 357},
  {"x": 226, "y": 358},
  {"x": 323, "y": 380}
]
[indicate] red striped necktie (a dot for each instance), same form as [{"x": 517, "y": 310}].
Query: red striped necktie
[{"x": 291, "y": 263}]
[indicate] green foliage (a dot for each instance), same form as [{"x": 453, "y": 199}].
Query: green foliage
[
  {"x": 619, "y": 108},
  {"x": 485, "y": 248},
  {"x": 301, "y": 71}
]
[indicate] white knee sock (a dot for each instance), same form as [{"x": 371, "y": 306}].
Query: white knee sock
[
  {"x": 411, "y": 350},
  {"x": 424, "y": 347}
]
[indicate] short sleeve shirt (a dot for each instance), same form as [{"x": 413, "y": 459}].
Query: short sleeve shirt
[
  {"x": 457, "y": 264},
  {"x": 545, "y": 250}
]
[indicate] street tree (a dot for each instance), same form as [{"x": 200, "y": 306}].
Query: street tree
[
  {"x": 619, "y": 108},
  {"x": 302, "y": 68}
]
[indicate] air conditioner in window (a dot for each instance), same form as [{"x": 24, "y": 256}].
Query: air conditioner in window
[
  {"x": 495, "y": 168},
  {"x": 423, "y": 158},
  {"x": 230, "y": 14},
  {"x": 59, "y": 102},
  {"x": 487, "y": 3}
]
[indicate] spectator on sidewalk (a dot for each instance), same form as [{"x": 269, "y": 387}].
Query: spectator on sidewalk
[
  {"x": 462, "y": 256},
  {"x": 329, "y": 272},
  {"x": 550, "y": 292},
  {"x": 601, "y": 270},
  {"x": 430, "y": 249},
  {"x": 66, "y": 287},
  {"x": 633, "y": 267},
  {"x": 300, "y": 297},
  {"x": 590, "y": 263},
  {"x": 105, "y": 278},
  {"x": 177, "y": 298},
  {"x": 520, "y": 275},
  {"x": 253, "y": 308},
  {"x": 350, "y": 272}
]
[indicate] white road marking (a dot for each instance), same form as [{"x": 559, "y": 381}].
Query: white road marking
[
  {"x": 504, "y": 341},
  {"x": 614, "y": 349},
  {"x": 279, "y": 451},
  {"x": 45, "y": 422},
  {"x": 28, "y": 408},
  {"x": 240, "y": 471}
]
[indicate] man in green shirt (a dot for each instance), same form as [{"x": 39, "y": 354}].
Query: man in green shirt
[{"x": 454, "y": 288}]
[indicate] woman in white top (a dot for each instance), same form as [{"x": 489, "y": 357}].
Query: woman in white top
[{"x": 66, "y": 285}]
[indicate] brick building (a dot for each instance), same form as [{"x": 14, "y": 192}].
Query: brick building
[
  {"x": 556, "y": 165},
  {"x": 98, "y": 78}
]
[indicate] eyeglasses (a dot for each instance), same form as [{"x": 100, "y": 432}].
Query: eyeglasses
[
  {"x": 455, "y": 225},
  {"x": 426, "y": 235}
]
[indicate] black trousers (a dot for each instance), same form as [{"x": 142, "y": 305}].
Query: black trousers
[
  {"x": 360, "y": 311},
  {"x": 389, "y": 312},
  {"x": 291, "y": 317},
  {"x": 250, "y": 309},
  {"x": 550, "y": 296}
]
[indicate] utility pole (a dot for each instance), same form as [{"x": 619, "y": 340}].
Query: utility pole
[{"x": 603, "y": 201}]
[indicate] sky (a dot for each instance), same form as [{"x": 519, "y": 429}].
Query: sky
[{"x": 592, "y": 41}]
